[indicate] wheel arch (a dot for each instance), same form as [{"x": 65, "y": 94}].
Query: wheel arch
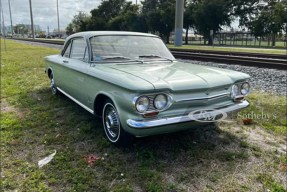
[
  {"x": 99, "y": 103},
  {"x": 49, "y": 72}
]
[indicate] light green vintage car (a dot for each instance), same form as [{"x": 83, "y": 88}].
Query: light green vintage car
[{"x": 133, "y": 82}]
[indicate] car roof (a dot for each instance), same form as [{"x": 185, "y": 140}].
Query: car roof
[{"x": 88, "y": 34}]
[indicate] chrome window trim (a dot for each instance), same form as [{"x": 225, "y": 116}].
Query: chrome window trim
[{"x": 66, "y": 46}]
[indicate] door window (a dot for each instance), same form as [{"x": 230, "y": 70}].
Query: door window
[{"x": 79, "y": 50}]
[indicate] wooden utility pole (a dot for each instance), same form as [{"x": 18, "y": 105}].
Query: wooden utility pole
[{"x": 32, "y": 22}]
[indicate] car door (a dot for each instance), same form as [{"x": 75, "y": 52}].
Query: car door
[{"x": 75, "y": 61}]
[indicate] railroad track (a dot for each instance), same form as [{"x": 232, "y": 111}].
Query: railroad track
[
  {"x": 232, "y": 58},
  {"x": 232, "y": 53},
  {"x": 273, "y": 61}
]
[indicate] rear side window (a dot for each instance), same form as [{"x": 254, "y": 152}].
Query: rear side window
[{"x": 79, "y": 50}]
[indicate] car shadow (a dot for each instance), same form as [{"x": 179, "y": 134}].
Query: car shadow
[
  {"x": 210, "y": 139},
  {"x": 207, "y": 137}
]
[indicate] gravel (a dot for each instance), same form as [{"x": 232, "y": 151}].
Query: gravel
[{"x": 262, "y": 79}]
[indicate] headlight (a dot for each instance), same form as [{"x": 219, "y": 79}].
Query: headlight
[
  {"x": 160, "y": 101},
  {"x": 245, "y": 88},
  {"x": 235, "y": 90},
  {"x": 142, "y": 104}
]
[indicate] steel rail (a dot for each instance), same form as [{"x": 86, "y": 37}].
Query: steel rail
[
  {"x": 236, "y": 53},
  {"x": 240, "y": 60}
]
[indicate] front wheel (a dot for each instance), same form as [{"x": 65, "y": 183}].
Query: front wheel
[{"x": 112, "y": 126}]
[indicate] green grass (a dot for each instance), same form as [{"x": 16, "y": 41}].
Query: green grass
[
  {"x": 34, "y": 123},
  {"x": 234, "y": 49},
  {"x": 268, "y": 111}
]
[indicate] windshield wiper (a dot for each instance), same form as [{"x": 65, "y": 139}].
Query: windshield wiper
[
  {"x": 155, "y": 56},
  {"x": 117, "y": 59}
]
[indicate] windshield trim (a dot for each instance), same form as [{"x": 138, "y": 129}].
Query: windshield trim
[
  {"x": 126, "y": 61},
  {"x": 133, "y": 62},
  {"x": 91, "y": 51}
]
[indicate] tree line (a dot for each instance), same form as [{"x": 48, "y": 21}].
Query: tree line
[{"x": 157, "y": 16}]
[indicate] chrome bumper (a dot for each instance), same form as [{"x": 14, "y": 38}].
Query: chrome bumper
[{"x": 148, "y": 123}]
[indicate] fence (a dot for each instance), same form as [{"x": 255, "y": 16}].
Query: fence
[{"x": 245, "y": 39}]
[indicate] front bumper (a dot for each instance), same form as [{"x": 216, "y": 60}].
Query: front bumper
[{"x": 149, "y": 123}]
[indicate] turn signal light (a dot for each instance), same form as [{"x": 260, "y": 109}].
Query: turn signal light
[{"x": 151, "y": 114}]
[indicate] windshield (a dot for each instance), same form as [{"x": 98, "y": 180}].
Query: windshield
[{"x": 127, "y": 48}]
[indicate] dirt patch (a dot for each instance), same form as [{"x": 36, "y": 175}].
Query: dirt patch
[
  {"x": 266, "y": 141},
  {"x": 7, "y": 108}
]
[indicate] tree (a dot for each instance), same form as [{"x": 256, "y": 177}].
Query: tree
[
  {"x": 188, "y": 19},
  {"x": 270, "y": 18},
  {"x": 21, "y": 29},
  {"x": 70, "y": 29},
  {"x": 104, "y": 13},
  {"x": 159, "y": 16},
  {"x": 243, "y": 9},
  {"x": 78, "y": 23},
  {"x": 211, "y": 15},
  {"x": 206, "y": 15},
  {"x": 128, "y": 20}
]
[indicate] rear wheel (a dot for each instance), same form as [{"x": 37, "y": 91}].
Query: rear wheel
[
  {"x": 53, "y": 85},
  {"x": 112, "y": 126}
]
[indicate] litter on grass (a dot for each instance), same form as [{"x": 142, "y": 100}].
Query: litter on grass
[
  {"x": 91, "y": 159},
  {"x": 46, "y": 160},
  {"x": 247, "y": 121}
]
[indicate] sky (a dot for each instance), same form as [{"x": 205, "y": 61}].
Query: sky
[{"x": 45, "y": 11}]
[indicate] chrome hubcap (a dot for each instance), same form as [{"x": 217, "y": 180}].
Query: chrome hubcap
[
  {"x": 53, "y": 87},
  {"x": 112, "y": 122}
]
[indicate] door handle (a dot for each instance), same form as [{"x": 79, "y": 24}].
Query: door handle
[{"x": 65, "y": 61}]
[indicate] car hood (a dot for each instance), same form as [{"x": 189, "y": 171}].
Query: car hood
[{"x": 178, "y": 76}]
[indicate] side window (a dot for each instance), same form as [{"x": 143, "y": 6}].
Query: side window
[
  {"x": 67, "y": 51},
  {"x": 79, "y": 50}
]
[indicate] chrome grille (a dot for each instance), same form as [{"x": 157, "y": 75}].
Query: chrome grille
[
  {"x": 151, "y": 106},
  {"x": 206, "y": 98}
]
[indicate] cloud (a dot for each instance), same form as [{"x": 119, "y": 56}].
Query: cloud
[{"x": 45, "y": 11}]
